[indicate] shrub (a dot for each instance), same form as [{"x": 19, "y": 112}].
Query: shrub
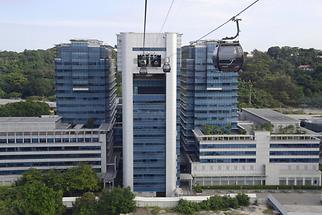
[
  {"x": 205, "y": 205},
  {"x": 119, "y": 200},
  {"x": 86, "y": 205},
  {"x": 243, "y": 199},
  {"x": 217, "y": 203},
  {"x": 197, "y": 188},
  {"x": 233, "y": 203},
  {"x": 187, "y": 207}
]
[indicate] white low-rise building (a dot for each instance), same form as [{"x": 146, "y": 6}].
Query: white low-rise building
[
  {"x": 46, "y": 143},
  {"x": 258, "y": 157}
]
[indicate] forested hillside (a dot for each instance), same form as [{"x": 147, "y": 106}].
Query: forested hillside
[
  {"x": 282, "y": 77},
  {"x": 28, "y": 73},
  {"x": 275, "y": 78}
]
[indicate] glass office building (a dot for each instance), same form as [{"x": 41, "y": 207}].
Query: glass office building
[
  {"x": 85, "y": 82},
  {"x": 207, "y": 96},
  {"x": 150, "y": 149}
]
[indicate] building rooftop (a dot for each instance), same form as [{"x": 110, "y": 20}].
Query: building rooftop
[
  {"x": 21, "y": 124},
  {"x": 42, "y": 119},
  {"x": 43, "y": 123},
  {"x": 297, "y": 203},
  {"x": 270, "y": 115}
]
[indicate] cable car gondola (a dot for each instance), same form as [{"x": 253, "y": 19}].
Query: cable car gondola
[
  {"x": 166, "y": 66},
  {"x": 228, "y": 55}
]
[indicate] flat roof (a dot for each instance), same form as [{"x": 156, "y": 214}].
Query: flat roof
[
  {"x": 270, "y": 115},
  {"x": 42, "y": 119},
  {"x": 297, "y": 203}
]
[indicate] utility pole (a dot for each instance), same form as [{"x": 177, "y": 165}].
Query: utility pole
[{"x": 250, "y": 93}]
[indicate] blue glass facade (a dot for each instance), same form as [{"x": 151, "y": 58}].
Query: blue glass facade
[
  {"x": 85, "y": 82},
  {"x": 207, "y": 96},
  {"x": 149, "y": 140}
]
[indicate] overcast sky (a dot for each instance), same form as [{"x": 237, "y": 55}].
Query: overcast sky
[{"x": 39, "y": 24}]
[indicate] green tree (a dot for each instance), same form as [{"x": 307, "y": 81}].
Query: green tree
[
  {"x": 217, "y": 203},
  {"x": 7, "y": 195},
  {"x": 116, "y": 201},
  {"x": 81, "y": 179},
  {"x": 243, "y": 199},
  {"x": 187, "y": 207},
  {"x": 37, "y": 199},
  {"x": 2, "y": 93},
  {"x": 24, "y": 109},
  {"x": 33, "y": 175},
  {"x": 86, "y": 205},
  {"x": 28, "y": 73},
  {"x": 73, "y": 182}
]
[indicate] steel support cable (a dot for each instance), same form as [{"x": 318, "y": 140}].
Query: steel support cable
[
  {"x": 166, "y": 17},
  {"x": 231, "y": 19},
  {"x": 144, "y": 24}
]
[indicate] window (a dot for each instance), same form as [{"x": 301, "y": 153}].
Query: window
[
  {"x": 227, "y": 153},
  {"x": 27, "y": 140},
  {"x": 229, "y": 160},
  {"x": 294, "y": 160},
  {"x": 308, "y": 181},
  {"x": 295, "y": 145},
  {"x": 282, "y": 181},
  {"x": 294, "y": 152},
  {"x": 223, "y": 146}
]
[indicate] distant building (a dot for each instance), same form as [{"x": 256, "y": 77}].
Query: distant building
[
  {"x": 85, "y": 82},
  {"x": 47, "y": 143},
  {"x": 305, "y": 67},
  {"x": 288, "y": 155},
  {"x": 149, "y": 112}
]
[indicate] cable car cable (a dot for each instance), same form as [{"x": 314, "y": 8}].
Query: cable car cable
[
  {"x": 144, "y": 23},
  {"x": 231, "y": 19},
  {"x": 166, "y": 18}
]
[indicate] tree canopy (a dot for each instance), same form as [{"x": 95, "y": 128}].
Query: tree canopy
[
  {"x": 72, "y": 182},
  {"x": 24, "y": 109},
  {"x": 31, "y": 199},
  {"x": 28, "y": 73},
  {"x": 275, "y": 78}
]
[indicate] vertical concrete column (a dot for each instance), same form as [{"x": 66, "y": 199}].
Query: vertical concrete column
[
  {"x": 127, "y": 99},
  {"x": 102, "y": 137},
  {"x": 171, "y": 111}
]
